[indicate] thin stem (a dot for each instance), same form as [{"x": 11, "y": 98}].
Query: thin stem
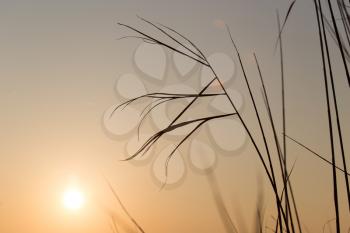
[
  {"x": 339, "y": 41},
  {"x": 274, "y": 186},
  {"x": 321, "y": 29},
  {"x": 285, "y": 168}
]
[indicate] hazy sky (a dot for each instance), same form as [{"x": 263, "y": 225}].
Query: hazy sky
[{"x": 59, "y": 64}]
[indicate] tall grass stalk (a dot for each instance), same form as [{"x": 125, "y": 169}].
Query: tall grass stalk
[{"x": 285, "y": 201}]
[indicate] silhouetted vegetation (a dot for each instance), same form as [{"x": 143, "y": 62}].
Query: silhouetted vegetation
[{"x": 288, "y": 218}]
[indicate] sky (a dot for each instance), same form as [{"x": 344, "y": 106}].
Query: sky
[{"x": 60, "y": 69}]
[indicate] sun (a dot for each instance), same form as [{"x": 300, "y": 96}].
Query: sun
[{"x": 73, "y": 199}]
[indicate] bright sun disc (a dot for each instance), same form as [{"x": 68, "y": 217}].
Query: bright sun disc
[{"x": 73, "y": 199}]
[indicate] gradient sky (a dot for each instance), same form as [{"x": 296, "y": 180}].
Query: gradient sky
[{"x": 58, "y": 67}]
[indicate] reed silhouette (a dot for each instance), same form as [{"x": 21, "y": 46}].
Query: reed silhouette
[{"x": 288, "y": 217}]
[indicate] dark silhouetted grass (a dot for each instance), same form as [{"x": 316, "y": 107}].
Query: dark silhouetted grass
[{"x": 288, "y": 216}]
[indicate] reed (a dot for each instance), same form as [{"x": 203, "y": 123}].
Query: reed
[{"x": 288, "y": 215}]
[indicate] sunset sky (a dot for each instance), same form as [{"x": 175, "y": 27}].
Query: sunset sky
[{"x": 59, "y": 66}]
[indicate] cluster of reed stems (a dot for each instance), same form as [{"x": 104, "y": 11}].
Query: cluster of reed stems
[{"x": 274, "y": 148}]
